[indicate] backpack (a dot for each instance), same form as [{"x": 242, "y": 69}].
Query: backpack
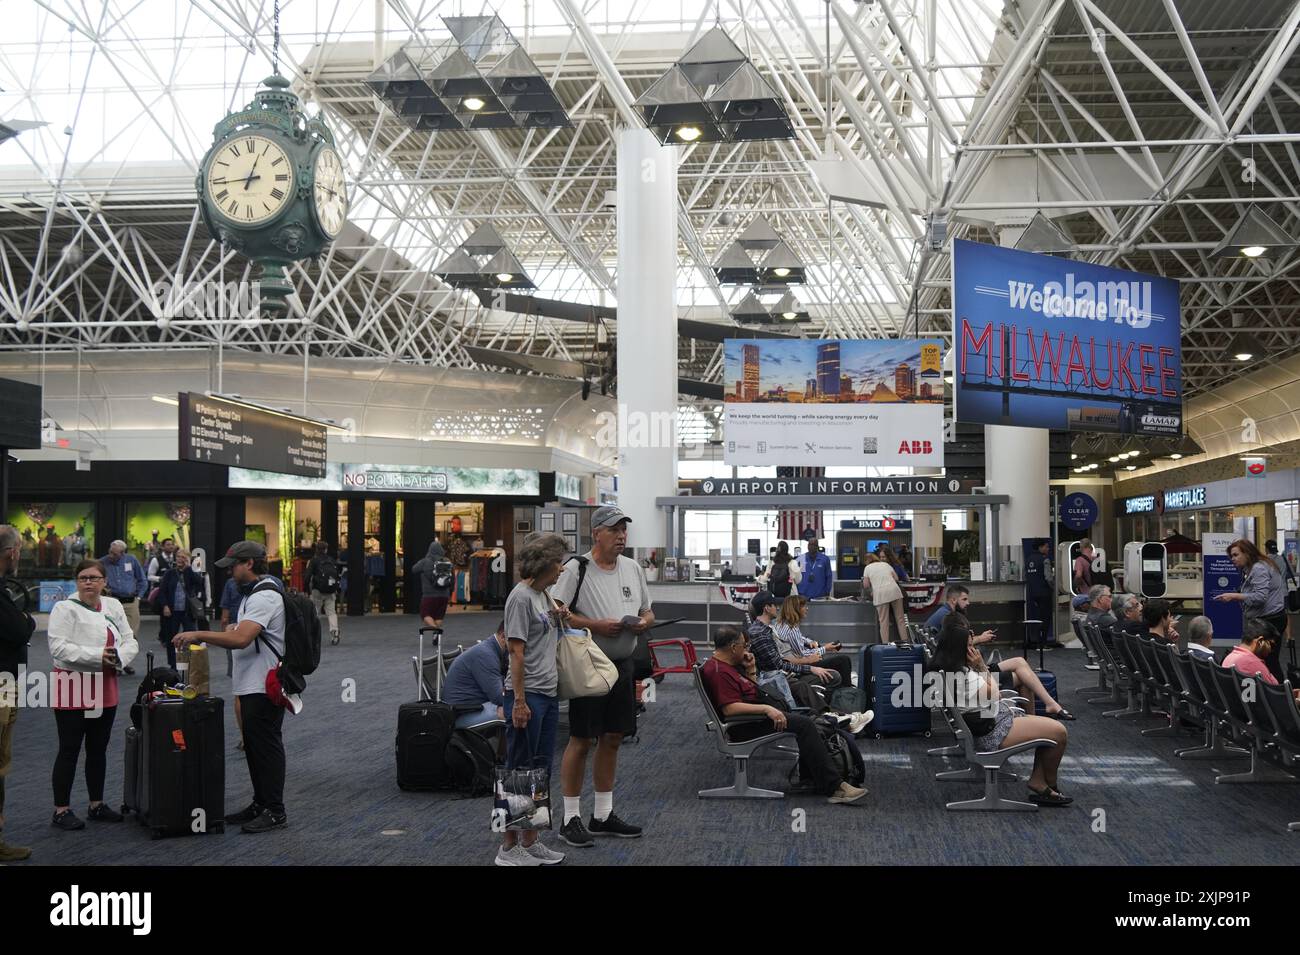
[
  {"x": 325, "y": 576},
  {"x": 849, "y": 699},
  {"x": 844, "y": 753},
  {"x": 442, "y": 572},
  {"x": 301, "y": 637},
  {"x": 471, "y": 763},
  {"x": 778, "y": 581}
]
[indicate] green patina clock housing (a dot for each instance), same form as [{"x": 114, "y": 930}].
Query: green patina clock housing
[{"x": 271, "y": 186}]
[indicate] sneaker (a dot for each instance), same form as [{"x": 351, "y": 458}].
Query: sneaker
[
  {"x": 102, "y": 813},
  {"x": 575, "y": 834},
  {"x": 614, "y": 826},
  {"x": 860, "y": 721},
  {"x": 67, "y": 821},
  {"x": 517, "y": 855},
  {"x": 847, "y": 795},
  {"x": 246, "y": 815},
  {"x": 543, "y": 854},
  {"x": 266, "y": 821},
  {"x": 10, "y": 853},
  {"x": 129, "y": 671}
]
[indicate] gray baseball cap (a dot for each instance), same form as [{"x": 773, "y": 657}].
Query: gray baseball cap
[
  {"x": 608, "y": 516},
  {"x": 244, "y": 550}
]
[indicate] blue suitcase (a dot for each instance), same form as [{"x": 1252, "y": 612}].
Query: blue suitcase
[
  {"x": 877, "y": 666},
  {"x": 1049, "y": 684}
]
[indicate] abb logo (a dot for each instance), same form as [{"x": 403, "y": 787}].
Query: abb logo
[{"x": 915, "y": 447}]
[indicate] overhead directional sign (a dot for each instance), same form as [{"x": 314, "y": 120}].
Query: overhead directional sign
[{"x": 217, "y": 431}]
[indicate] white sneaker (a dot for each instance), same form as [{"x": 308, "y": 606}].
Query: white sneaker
[
  {"x": 516, "y": 855},
  {"x": 859, "y": 721},
  {"x": 544, "y": 855}
]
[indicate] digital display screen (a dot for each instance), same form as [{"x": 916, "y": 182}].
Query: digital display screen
[{"x": 1151, "y": 566}]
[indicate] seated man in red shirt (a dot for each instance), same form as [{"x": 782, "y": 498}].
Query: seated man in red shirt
[
  {"x": 735, "y": 694},
  {"x": 1248, "y": 657}
]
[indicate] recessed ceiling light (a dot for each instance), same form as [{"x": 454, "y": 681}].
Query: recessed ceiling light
[
  {"x": 504, "y": 276},
  {"x": 1114, "y": 458},
  {"x": 1243, "y": 356},
  {"x": 1175, "y": 455},
  {"x": 472, "y": 103},
  {"x": 1074, "y": 457},
  {"x": 781, "y": 272},
  {"x": 688, "y": 134},
  {"x": 790, "y": 315},
  {"x": 1253, "y": 251},
  {"x": 1130, "y": 467}
]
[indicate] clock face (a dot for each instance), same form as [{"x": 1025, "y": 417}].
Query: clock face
[
  {"x": 330, "y": 196},
  {"x": 250, "y": 180}
]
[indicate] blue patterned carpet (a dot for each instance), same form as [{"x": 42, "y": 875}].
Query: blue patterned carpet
[{"x": 345, "y": 807}]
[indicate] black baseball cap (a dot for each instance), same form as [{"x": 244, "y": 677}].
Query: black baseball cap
[
  {"x": 762, "y": 599},
  {"x": 244, "y": 550}
]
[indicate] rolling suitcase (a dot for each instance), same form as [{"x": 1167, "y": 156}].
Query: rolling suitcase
[
  {"x": 181, "y": 767},
  {"x": 131, "y": 772},
  {"x": 424, "y": 729},
  {"x": 880, "y": 662}
]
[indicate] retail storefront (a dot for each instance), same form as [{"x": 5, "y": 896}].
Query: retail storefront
[{"x": 379, "y": 519}]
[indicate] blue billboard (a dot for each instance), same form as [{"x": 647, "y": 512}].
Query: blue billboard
[{"x": 1046, "y": 342}]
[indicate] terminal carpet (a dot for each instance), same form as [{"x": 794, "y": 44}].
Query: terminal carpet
[{"x": 345, "y": 808}]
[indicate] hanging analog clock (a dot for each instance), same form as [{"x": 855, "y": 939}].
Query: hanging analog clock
[{"x": 272, "y": 186}]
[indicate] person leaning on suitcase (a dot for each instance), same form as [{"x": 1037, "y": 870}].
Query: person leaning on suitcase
[
  {"x": 260, "y": 615},
  {"x": 90, "y": 643},
  {"x": 16, "y": 627}
]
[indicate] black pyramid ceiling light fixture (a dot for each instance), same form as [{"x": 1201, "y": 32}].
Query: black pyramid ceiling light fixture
[
  {"x": 1044, "y": 235},
  {"x": 1256, "y": 235},
  {"x": 482, "y": 78},
  {"x": 759, "y": 256},
  {"x": 750, "y": 311},
  {"x": 483, "y": 262},
  {"x": 790, "y": 309},
  {"x": 713, "y": 94}
]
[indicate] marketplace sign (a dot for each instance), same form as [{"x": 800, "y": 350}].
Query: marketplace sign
[
  {"x": 1046, "y": 342},
  {"x": 833, "y": 402},
  {"x": 1182, "y": 499},
  {"x": 402, "y": 478}
]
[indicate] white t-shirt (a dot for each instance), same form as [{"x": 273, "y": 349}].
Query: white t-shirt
[
  {"x": 971, "y": 693},
  {"x": 255, "y": 661},
  {"x": 606, "y": 594}
]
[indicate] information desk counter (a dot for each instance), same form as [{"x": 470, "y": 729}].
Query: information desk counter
[{"x": 707, "y": 605}]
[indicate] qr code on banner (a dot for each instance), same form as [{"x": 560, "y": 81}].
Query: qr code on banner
[{"x": 869, "y": 445}]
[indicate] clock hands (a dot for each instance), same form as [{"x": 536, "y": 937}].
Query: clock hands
[
  {"x": 251, "y": 177},
  {"x": 221, "y": 182}
]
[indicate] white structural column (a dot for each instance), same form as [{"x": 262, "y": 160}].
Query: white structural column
[
  {"x": 1016, "y": 464},
  {"x": 647, "y": 332}
]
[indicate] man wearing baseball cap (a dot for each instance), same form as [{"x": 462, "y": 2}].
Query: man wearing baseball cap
[
  {"x": 605, "y": 593},
  {"x": 261, "y": 615}
]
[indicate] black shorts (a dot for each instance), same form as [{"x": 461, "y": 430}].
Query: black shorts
[
  {"x": 1006, "y": 681},
  {"x": 615, "y": 712}
]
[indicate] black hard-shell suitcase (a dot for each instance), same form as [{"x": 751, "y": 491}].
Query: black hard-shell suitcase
[
  {"x": 423, "y": 730},
  {"x": 181, "y": 767},
  {"x": 879, "y": 663}
]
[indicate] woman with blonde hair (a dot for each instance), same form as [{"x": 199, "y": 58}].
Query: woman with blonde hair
[{"x": 797, "y": 648}]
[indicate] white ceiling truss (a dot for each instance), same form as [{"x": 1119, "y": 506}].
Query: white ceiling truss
[{"x": 926, "y": 99}]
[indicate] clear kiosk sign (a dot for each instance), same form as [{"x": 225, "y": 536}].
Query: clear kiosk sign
[{"x": 216, "y": 431}]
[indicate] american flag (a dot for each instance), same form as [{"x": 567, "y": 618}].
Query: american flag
[{"x": 793, "y": 523}]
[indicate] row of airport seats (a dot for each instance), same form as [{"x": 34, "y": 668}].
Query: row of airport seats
[
  {"x": 987, "y": 767},
  {"x": 1240, "y": 716}
]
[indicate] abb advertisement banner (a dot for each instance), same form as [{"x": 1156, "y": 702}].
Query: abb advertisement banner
[
  {"x": 1046, "y": 342},
  {"x": 834, "y": 402}
]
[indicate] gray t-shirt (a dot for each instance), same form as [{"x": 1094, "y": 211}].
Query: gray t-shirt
[
  {"x": 607, "y": 594},
  {"x": 254, "y": 662},
  {"x": 528, "y": 619}
]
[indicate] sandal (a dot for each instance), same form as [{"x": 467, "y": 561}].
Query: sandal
[
  {"x": 1048, "y": 797},
  {"x": 1062, "y": 714}
]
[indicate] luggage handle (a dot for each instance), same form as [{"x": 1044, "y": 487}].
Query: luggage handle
[{"x": 437, "y": 671}]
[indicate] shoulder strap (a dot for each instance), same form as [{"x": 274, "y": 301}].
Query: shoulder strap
[
  {"x": 259, "y": 587},
  {"x": 582, "y": 575}
]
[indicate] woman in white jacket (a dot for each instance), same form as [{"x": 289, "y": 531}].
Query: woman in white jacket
[
  {"x": 90, "y": 643},
  {"x": 787, "y": 579},
  {"x": 880, "y": 586}
]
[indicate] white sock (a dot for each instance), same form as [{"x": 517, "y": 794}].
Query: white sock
[
  {"x": 604, "y": 805},
  {"x": 571, "y": 808}
]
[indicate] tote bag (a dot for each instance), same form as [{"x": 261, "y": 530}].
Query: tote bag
[{"x": 584, "y": 670}]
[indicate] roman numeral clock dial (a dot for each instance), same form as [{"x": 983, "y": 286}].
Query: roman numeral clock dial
[
  {"x": 329, "y": 195},
  {"x": 249, "y": 180}
]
